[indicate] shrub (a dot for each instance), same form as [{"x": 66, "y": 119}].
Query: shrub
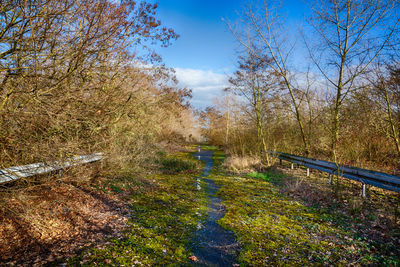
[{"x": 172, "y": 165}]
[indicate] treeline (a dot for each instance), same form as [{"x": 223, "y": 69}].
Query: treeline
[
  {"x": 329, "y": 90},
  {"x": 80, "y": 76}
]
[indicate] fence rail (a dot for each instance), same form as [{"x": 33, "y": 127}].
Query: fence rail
[
  {"x": 366, "y": 177},
  {"x": 14, "y": 173}
]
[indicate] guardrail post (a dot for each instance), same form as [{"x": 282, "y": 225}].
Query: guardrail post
[
  {"x": 364, "y": 190},
  {"x": 366, "y": 177},
  {"x": 308, "y": 172}
]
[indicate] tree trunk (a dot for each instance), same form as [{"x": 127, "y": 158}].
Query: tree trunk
[
  {"x": 299, "y": 119},
  {"x": 260, "y": 135},
  {"x": 395, "y": 134}
]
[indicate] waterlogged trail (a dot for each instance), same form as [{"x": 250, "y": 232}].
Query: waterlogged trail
[{"x": 213, "y": 245}]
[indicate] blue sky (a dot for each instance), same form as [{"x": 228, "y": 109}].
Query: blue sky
[
  {"x": 205, "y": 42},
  {"x": 205, "y": 53}
]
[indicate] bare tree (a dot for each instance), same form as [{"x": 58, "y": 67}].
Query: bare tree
[
  {"x": 254, "y": 81},
  {"x": 67, "y": 75},
  {"x": 385, "y": 82},
  {"x": 353, "y": 33},
  {"x": 263, "y": 35},
  {"x": 49, "y": 44}
]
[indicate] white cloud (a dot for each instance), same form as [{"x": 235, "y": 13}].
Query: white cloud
[{"x": 206, "y": 85}]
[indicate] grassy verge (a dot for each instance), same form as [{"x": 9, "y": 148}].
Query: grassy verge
[
  {"x": 277, "y": 230},
  {"x": 208, "y": 147},
  {"x": 179, "y": 163},
  {"x": 165, "y": 210}
]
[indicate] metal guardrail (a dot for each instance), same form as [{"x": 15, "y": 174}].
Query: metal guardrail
[
  {"x": 14, "y": 173},
  {"x": 377, "y": 179}
]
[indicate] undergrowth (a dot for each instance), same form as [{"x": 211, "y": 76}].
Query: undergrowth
[
  {"x": 279, "y": 230},
  {"x": 165, "y": 210},
  {"x": 264, "y": 176},
  {"x": 209, "y": 147},
  {"x": 176, "y": 164}
]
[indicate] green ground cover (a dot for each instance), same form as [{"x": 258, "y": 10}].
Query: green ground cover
[
  {"x": 273, "y": 229},
  {"x": 165, "y": 210},
  {"x": 277, "y": 230},
  {"x": 264, "y": 176},
  {"x": 208, "y": 147}
]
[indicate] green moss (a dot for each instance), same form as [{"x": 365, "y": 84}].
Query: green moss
[
  {"x": 276, "y": 230},
  {"x": 174, "y": 164},
  {"x": 208, "y": 147},
  {"x": 264, "y": 176},
  {"x": 165, "y": 211},
  {"x": 179, "y": 162},
  {"x": 273, "y": 229}
]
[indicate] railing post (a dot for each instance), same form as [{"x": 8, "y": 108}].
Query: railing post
[
  {"x": 366, "y": 177},
  {"x": 364, "y": 190}
]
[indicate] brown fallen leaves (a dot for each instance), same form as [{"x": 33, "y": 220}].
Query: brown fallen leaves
[
  {"x": 376, "y": 216},
  {"x": 55, "y": 220},
  {"x": 193, "y": 258}
]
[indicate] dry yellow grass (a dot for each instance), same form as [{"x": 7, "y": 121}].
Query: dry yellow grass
[{"x": 242, "y": 163}]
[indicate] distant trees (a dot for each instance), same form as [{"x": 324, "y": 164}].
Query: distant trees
[
  {"x": 253, "y": 81},
  {"x": 384, "y": 81},
  {"x": 263, "y": 36},
  {"x": 390, "y": 91},
  {"x": 342, "y": 106},
  {"x": 352, "y": 35}
]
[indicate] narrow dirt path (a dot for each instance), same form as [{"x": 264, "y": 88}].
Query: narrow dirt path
[{"x": 213, "y": 245}]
